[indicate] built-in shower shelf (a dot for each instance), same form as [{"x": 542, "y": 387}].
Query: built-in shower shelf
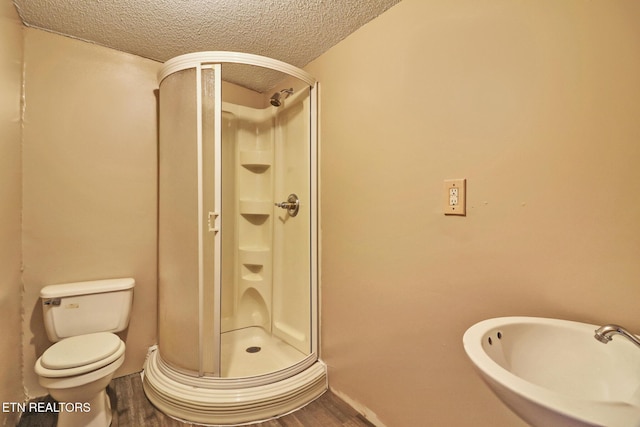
[
  {"x": 255, "y": 255},
  {"x": 256, "y": 207},
  {"x": 258, "y": 160},
  {"x": 252, "y": 273}
]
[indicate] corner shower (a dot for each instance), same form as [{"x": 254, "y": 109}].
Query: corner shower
[{"x": 237, "y": 241}]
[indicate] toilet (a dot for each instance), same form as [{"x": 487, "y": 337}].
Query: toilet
[{"x": 81, "y": 318}]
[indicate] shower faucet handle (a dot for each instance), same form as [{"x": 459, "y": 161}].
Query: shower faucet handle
[
  {"x": 292, "y": 205},
  {"x": 285, "y": 205}
]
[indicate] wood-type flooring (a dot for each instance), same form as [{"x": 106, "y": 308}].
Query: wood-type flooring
[{"x": 132, "y": 409}]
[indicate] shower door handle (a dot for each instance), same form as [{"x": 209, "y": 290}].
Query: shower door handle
[
  {"x": 292, "y": 205},
  {"x": 212, "y": 218}
]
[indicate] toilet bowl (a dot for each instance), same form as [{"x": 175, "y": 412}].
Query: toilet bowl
[
  {"x": 81, "y": 318},
  {"x": 76, "y": 371}
]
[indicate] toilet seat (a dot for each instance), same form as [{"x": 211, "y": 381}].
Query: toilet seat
[{"x": 79, "y": 355}]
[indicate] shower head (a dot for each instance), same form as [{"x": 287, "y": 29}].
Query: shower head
[{"x": 278, "y": 97}]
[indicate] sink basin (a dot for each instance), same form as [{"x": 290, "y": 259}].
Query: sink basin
[{"x": 555, "y": 373}]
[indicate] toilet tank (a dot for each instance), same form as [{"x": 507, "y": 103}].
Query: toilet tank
[{"x": 80, "y": 308}]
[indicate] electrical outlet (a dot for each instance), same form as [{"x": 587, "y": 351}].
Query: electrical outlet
[{"x": 455, "y": 196}]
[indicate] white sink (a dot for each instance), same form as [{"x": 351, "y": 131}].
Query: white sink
[{"x": 555, "y": 373}]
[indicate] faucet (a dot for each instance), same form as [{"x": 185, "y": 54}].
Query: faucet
[{"x": 604, "y": 334}]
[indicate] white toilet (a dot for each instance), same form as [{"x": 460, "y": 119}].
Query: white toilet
[{"x": 81, "y": 318}]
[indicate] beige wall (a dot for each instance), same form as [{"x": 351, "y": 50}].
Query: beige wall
[
  {"x": 10, "y": 201},
  {"x": 536, "y": 104},
  {"x": 90, "y": 181}
]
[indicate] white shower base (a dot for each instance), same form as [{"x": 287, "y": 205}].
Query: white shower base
[
  {"x": 271, "y": 382},
  {"x": 274, "y": 354}
]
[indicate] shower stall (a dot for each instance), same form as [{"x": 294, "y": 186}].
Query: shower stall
[{"x": 237, "y": 240}]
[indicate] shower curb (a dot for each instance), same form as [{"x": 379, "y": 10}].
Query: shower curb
[{"x": 187, "y": 401}]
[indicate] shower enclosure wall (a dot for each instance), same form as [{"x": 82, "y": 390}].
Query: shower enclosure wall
[{"x": 238, "y": 321}]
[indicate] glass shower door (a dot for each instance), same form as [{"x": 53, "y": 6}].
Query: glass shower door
[
  {"x": 189, "y": 221},
  {"x": 178, "y": 287},
  {"x": 211, "y": 219}
]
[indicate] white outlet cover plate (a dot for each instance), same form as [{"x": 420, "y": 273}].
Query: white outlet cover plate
[{"x": 461, "y": 207}]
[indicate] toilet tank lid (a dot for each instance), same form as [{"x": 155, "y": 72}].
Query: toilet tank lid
[{"x": 88, "y": 287}]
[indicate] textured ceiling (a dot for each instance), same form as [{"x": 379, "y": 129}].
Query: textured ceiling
[{"x": 293, "y": 31}]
